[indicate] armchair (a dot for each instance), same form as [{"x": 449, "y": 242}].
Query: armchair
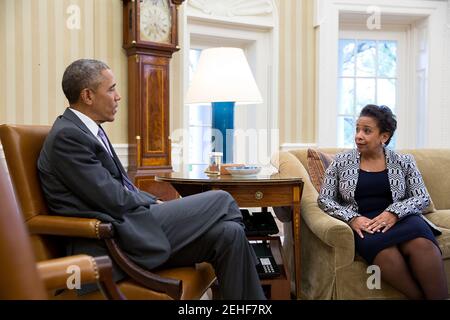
[
  {"x": 22, "y": 145},
  {"x": 331, "y": 269},
  {"x": 20, "y": 276}
]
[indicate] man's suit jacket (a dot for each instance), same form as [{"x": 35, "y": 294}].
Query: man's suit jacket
[{"x": 81, "y": 179}]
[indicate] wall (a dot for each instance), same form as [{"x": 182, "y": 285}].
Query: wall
[
  {"x": 39, "y": 46},
  {"x": 297, "y": 72}
]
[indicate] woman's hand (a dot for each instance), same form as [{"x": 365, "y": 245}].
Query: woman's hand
[
  {"x": 383, "y": 222},
  {"x": 360, "y": 224}
]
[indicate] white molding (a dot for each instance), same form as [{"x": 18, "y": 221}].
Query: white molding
[
  {"x": 295, "y": 146},
  {"x": 122, "y": 153},
  {"x": 436, "y": 121},
  {"x": 446, "y": 71},
  {"x": 233, "y": 7},
  {"x": 327, "y": 24},
  {"x": 177, "y": 156},
  {"x": 228, "y": 12}
]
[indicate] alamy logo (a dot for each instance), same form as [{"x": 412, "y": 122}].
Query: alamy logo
[
  {"x": 74, "y": 280},
  {"x": 374, "y": 21},
  {"x": 73, "y": 22},
  {"x": 374, "y": 280}
]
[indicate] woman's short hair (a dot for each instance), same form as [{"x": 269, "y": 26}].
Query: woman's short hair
[
  {"x": 383, "y": 115},
  {"x": 82, "y": 74}
]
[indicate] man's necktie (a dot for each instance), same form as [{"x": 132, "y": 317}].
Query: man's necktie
[{"x": 126, "y": 181}]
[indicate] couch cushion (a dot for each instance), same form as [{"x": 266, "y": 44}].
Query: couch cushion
[
  {"x": 430, "y": 209},
  {"x": 441, "y": 218},
  {"x": 444, "y": 243},
  {"x": 422, "y": 158},
  {"x": 434, "y": 165},
  {"x": 318, "y": 162}
]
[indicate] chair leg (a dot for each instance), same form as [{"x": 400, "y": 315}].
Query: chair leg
[{"x": 105, "y": 281}]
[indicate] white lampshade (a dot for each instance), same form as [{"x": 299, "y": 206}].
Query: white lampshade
[{"x": 223, "y": 75}]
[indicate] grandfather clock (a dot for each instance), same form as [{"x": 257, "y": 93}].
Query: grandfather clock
[{"x": 149, "y": 38}]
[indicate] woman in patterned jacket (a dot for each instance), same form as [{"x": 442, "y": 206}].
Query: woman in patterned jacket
[{"x": 381, "y": 195}]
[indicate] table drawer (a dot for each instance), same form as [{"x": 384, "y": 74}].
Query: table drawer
[{"x": 261, "y": 196}]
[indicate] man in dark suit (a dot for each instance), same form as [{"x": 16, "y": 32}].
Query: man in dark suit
[{"x": 81, "y": 175}]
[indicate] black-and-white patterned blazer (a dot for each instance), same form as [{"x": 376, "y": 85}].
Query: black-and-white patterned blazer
[{"x": 409, "y": 194}]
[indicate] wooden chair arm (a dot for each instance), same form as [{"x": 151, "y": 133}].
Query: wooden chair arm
[
  {"x": 70, "y": 227},
  {"x": 95, "y": 229},
  {"x": 171, "y": 287},
  {"x": 56, "y": 272}
]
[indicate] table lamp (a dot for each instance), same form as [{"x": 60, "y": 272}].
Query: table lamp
[{"x": 223, "y": 78}]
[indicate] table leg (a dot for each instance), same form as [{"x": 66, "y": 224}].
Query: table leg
[{"x": 297, "y": 244}]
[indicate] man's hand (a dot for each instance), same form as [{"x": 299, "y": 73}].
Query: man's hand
[
  {"x": 360, "y": 224},
  {"x": 383, "y": 222}
]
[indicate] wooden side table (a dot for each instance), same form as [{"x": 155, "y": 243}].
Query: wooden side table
[{"x": 258, "y": 191}]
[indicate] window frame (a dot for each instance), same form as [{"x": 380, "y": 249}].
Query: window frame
[
  {"x": 393, "y": 33},
  {"x": 189, "y": 125},
  {"x": 260, "y": 44}
]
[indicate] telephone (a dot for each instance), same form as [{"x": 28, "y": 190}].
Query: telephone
[
  {"x": 267, "y": 267},
  {"x": 259, "y": 223}
]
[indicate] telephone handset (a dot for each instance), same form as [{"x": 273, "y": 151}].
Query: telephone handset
[{"x": 267, "y": 267}]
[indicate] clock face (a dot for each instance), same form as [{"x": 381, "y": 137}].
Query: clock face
[{"x": 156, "y": 22}]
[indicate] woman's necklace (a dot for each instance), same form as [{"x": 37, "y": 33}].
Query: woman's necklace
[{"x": 374, "y": 170}]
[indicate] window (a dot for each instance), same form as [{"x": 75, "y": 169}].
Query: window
[
  {"x": 417, "y": 26},
  {"x": 368, "y": 74},
  {"x": 199, "y": 122}
]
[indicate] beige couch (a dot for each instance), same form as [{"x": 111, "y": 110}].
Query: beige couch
[{"x": 330, "y": 268}]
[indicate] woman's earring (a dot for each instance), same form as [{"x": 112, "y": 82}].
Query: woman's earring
[{"x": 383, "y": 144}]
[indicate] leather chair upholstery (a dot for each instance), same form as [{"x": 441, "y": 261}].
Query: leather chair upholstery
[
  {"x": 20, "y": 276},
  {"x": 22, "y": 145}
]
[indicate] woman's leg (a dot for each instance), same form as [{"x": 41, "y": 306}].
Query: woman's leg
[
  {"x": 395, "y": 272},
  {"x": 426, "y": 264}
]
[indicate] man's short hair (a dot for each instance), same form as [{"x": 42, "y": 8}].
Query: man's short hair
[{"x": 82, "y": 74}]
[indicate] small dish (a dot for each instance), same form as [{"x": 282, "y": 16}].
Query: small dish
[{"x": 244, "y": 170}]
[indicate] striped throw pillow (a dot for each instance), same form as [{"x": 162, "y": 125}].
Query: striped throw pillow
[{"x": 317, "y": 163}]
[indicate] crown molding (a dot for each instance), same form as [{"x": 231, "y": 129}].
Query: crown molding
[{"x": 233, "y": 8}]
